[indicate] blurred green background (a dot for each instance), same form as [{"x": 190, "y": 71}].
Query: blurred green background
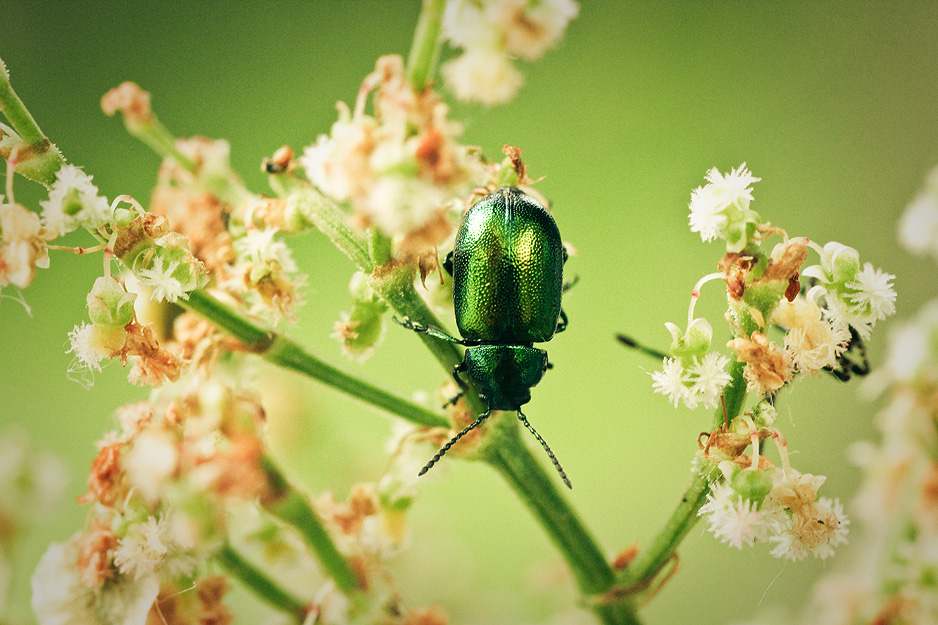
[{"x": 835, "y": 106}]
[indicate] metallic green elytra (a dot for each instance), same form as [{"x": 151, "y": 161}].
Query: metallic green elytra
[{"x": 507, "y": 268}]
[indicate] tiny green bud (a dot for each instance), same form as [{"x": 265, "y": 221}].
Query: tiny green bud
[
  {"x": 752, "y": 484},
  {"x": 362, "y": 330},
  {"x": 109, "y": 304},
  {"x": 695, "y": 342},
  {"x": 845, "y": 264},
  {"x": 123, "y": 217}
]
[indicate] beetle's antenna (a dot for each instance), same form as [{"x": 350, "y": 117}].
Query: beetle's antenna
[
  {"x": 550, "y": 454},
  {"x": 453, "y": 440}
]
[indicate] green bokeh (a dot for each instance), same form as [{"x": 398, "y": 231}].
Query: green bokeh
[{"x": 835, "y": 106}]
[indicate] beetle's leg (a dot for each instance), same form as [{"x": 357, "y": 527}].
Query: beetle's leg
[
  {"x": 463, "y": 387},
  {"x": 448, "y": 263},
  {"x": 562, "y": 324},
  {"x": 550, "y": 454},
  {"x": 452, "y": 441},
  {"x": 428, "y": 330}
]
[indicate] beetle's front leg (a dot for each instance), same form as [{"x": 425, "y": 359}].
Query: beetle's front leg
[
  {"x": 463, "y": 387},
  {"x": 428, "y": 330}
]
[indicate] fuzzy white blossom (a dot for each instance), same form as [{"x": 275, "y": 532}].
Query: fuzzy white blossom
[
  {"x": 60, "y": 597},
  {"x": 160, "y": 278},
  {"x": 813, "y": 341},
  {"x": 142, "y": 550},
  {"x": 483, "y": 75},
  {"x": 733, "y": 519},
  {"x": 74, "y": 202},
  {"x": 693, "y": 380},
  {"x": 720, "y": 209},
  {"x": 494, "y": 32}
]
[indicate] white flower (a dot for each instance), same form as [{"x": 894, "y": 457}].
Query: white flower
[
  {"x": 531, "y": 28},
  {"x": 482, "y": 75},
  {"x": 707, "y": 213},
  {"x": 22, "y": 245},
  {"x": 693, "y": 380},
  {"x": 163, "y": 285},
  {"x": 734, "y": 520},
  {"x": 60, "y": 597},
  {"x": 720, "y": 209},
  {"x": 141, "y": 551},
  {"x": 670, "y": 380},
  {"x": 74, "y": 202},
  {"x": 260, "y": 247},
  {"x": 151, "y": 462},
  {"x": 93, "y": 343},
  {"x": 874, "y": 297},
  {"x": 813, "y": 341},
  {"x": 918, "y": 226}
]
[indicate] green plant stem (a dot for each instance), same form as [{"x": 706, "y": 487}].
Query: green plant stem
[
  {"x": 36, "y": 158},
  {"x": 292, "y": 507},
  {"x": 260, "y": 584},
  {"x": 536, "y": 488},
  {"x": 425, "y": 48},
  {"x": 286, "y": 353},
  {"x": 652, "y": 558}
]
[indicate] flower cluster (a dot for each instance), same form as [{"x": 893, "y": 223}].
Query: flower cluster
[
  {"x": 757, "y": 502},
  {"x": 764, "y": 292},
  {"x": 494, "y": 32},
  {"x": 23, "y": 244},
  {"x": 401, "y": 168}
]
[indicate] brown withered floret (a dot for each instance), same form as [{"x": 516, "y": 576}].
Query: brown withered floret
[
  {"x": 198, "y": 216},
  {"x": 153, "y": 365},
  {"x": 94, "y": 561},
  {"x": 131, "y": 100},
  {"x": 767, "y": 369},
  {"x": 105, "y": 479},
  {"x": 144, "y": 227}
]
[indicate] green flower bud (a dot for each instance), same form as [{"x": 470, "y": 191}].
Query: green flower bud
[
  {"x": 752, "y": 484},
  {"x": 109, "y": 304},
  {"x": 362, "y": 330},
  {"x": 695, "y": 342}
]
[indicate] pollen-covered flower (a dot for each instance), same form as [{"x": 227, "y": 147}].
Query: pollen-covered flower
[
  {"x": 399, "y": 168},
  {"x": 22, "y": 244},
  {"x": 60, "y": 597},
  {"x": 733, "y": 519},
  {"x": 813, "y": 341},
  {"x": 693, "y": 380},
  {"x": 482, "y": 75},
  {"x": 141, "y": 550},
  {"x": 720, "y": 209},
  {"x": 74, "y": 202},
  {"x": 92, "y": 343},
  {"x": 494, "y": 32},
  {"x": 811, "y": 525}
]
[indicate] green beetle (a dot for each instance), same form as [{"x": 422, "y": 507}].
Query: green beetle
[{"x": 507, "y": 268}]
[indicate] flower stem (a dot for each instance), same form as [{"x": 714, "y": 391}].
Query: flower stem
[
  {"x": 426, "y": 46},
  {"x": 36, "y": 158},
  {"x": 286, "y": 353},
  {"x": 650, "y": 560},
  {"x": 538, "y": 490},
  {"x": 257, "y": 581},
  {"x": 293, "y": 508}
]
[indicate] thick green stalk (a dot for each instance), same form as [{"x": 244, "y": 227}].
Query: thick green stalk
[
  {"x": 260, "y": 584},
  {"x": 36, "y": 158},
  {"x": 425, "y": 48},
  {"x": 292, "y": 507},
  {"x": 286, "y": 353},
  {"x": 538, "y": 490}
]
